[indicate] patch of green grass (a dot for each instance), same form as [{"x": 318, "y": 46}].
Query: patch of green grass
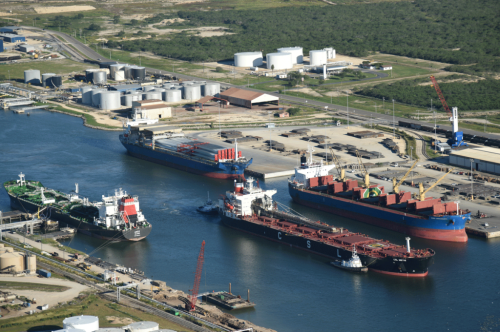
[
  {"x": 90, "y": 119},
  {"x": 63, "y": 66},
  {"x": 399, "y": 71},
  {"x": 429, "y": 148},
  {"x": 11, "y": 285}
]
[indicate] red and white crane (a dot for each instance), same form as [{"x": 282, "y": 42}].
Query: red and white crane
[{"x": 197, "y": 278}]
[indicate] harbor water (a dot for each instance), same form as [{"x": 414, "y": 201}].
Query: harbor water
[{"x": 293, "y": 290}]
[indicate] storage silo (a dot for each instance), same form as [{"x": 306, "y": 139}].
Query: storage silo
[
  {"x": 119, "y": 75},
  {"x": 192, "y": 92},
  {"x": 279, "y": 60},
  {"x": 211, "y": 89},
  {"x": 110, "y": 100},
  {"x": 45, "y": 77},
  {"x": 114, "y": 68},
  {"x": 54, "y": 81},
  {"x": 99, "y": 77},
  {"x": 85, "y": 323},
  {"x": 139, "y": 73},
  {"x": 317, "y": 58},
  {"x": 248, "y": 59},
  {"x": 330, "y": 52},
  {"x": 296, "y": 52},
  {"x": 86, "y": 95},
  {"x": 96, "y": 96},
  {"x": 143, "y": 327},
  {"x": 173, "y": 96},
  {"x": 32, "y": 76}
]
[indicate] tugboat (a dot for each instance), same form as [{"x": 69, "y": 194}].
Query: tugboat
[
  {"x": 209, "y": 207},
  {"x": 352, "y": 265}
]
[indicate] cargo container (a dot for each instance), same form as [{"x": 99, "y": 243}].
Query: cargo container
[{"x": 43, "y": 273}]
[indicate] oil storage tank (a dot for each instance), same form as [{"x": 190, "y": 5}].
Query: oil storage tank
[
  {"x": 128, "y": 71},
  {"x": 192, "y": 92},
  {"x": 96, "y": 96},
  {"x": 173, "y": 96},
  {"x": 317, "y": 57},
  {"x": 148, "y": 88},
  {"x": 85, "y": 323},
  {"x": 150, "y": 95},
  {"x": 99, "y": 77},
  {"x": 248, "y": 59},
  {"x": 279, "y": 60},
  {"x": 119, "y": 75},
  {"x": 110, "y": 100},
  {"x": 139, "y": 73},
  {"x": 45, "y": 77},
  {"x": 163, "y": 92},
  {"x": 89, "y": 74},
  {"x": 211, "y": 89},
  {"x": 54, "y": 81},
  {"x": 143, "y": 327},
  {"x": 32, "y": 76},
  {"x": 114, "y": 68},
  {"x": 86, "y": 95},
  {"x": 296, "y": 52}
]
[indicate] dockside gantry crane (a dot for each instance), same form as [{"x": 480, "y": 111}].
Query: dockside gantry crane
[
  {"x": 421, "y": 192},
  {"x": 395, "y": 186},
  {"x": 340, "y": 168},
  {"x": 362, "y": 168}
]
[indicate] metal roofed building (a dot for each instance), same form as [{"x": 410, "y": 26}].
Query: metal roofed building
[
  {"x": 125, "y": 87},
  {"x": 9, "y": 29},
  {"x": 247, "y": 98},
  {"x": 11, "y": 38},
  {"x": 150, "y": 109},
  {"x": 486, "y": 159}
]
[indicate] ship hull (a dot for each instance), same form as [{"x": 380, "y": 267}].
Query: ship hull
[
  {"x": 222, "y": 170},
  {"x": 446, "y": 228},
  {"x": 136, "y": 234},
  {"x": 403, "y": 267}
]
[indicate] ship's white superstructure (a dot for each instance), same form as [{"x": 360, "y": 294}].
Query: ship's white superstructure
[
  {"x": 120, "y": 211},
  {"x": 309, "y": 169},
  {"x": 239, "y": 203}
]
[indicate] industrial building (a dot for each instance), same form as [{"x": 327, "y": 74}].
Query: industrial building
[
  {"x": 15, "y": 262},
  {"x": 26, "y": 48},
  {"x": 11, "y": 38},
  {"x": 247, "y": 98},
  {"x": 150, "y": 109},
  {"x": 9, "y": 29},
  {"x": 483, "y": 159}
]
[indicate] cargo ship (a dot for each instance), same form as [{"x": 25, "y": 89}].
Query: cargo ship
[
  {"x": 167, "y": 145},
  {"x": 114, "y": 218},
  {"x": 424, "y": 217},
  {"x": 252, "y": 210}
]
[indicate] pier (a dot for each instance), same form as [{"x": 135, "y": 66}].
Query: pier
[{"x": 484, "y": 227}]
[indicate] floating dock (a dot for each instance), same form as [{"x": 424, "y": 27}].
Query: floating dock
[
  {"x": 228, "y": 301},
  {"x": 484, "y": 227}
]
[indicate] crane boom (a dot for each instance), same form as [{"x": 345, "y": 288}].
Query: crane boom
[
  {"x": 395, "y": 186},
  {"x": 440, "y": 95},
  {"x": 197, "y": 278},
  {"x": 422, "y": 193},
  {"x": 363, "y": 170},
  {"x": 340, "y": 168}
]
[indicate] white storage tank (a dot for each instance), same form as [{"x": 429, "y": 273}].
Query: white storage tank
[
  {"x": 99, "y": 77},
  {"x": 296, "y": 52},
  {"x": 173, "y": 96},
  {"x": 143, "y": 327},
  {"x": 89, "y": 74},
  {"x": 85, "y": 323},
  {"x": 119, "y": 75},
  {"x": 248, "y": 59},
  {"x": 114, "y": 68},
  {"x": 163, "y": 92},
  {"x": 168, "y": 85},
  {"x": 45, "y": 77},
  {"x": 96, "y": 96},
  {"x": 126, "y": 100},
  {"x": 148, "y": 88},
  {"x": 110, "y": 100},
  {"x": 32, "y": 76},
  {"x": 317, "y": 58},
  {"x": 211, "y": 89},
  {"x": 150, "y": 95},
  {"x": 279, "y": 60},
  {"x": 330, "y": 52},
  {"x": 86, "y": 95},
  {"x": 192, "y": 92}
]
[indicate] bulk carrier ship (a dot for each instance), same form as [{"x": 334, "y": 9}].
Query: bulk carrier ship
[
  {"x": 167, "y": 145},
  {"x": 423, "y": 217},
  {"x": 115, "y": 218},
  {"x": 251, "y": 209}
]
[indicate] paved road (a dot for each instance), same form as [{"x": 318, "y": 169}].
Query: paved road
[{"x": 91, "y": 54}]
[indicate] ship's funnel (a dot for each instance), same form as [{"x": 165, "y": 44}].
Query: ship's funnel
[
  {"x": 408, "y": 244},
  {"x": 238, "y": 186},
  {"x": 76, "y": 188},
  {"x": 303, "y": 160}
]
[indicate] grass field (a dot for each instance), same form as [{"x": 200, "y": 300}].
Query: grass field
[
  {"x": 63, "y": 66},
  {"x": 399, "y": 71},
  {"x": 31, "y": 286},
  {"x": 85, "y": 305},
  {"x": 429, "y": 148}
]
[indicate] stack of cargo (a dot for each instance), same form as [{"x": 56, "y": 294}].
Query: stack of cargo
[
  {"x": 199, "y": 149},
  {"x": 231, "y": 134},
  {"x": 276, "y": 145},
  {"x": 365, "y": 134},
  {"x": 243, "y": 139},
  {"x": 302, "y": 131},
  {"x": 290, "y": 134}
]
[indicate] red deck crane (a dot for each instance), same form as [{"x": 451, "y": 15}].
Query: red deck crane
[
  {"x": 197, "y": 278},
  {"x": 440, "y": 95}
]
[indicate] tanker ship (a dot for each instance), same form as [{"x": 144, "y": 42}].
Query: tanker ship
[
  {"x": 114, "y": 218},
  {"x": 424, "y": 217},
  {"x": 252, "y": 210},
  {"x": 167, "y": 145}
]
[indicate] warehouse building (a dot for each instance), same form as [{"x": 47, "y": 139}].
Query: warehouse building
[
  {"x": 150, "y": 109},
  {"x": 9, "y": 29},
  {"x": 247, "y": 98},
  {"x": 27, "y": 48},
  {"x": 11, "y": 38},
  {"x": 483, "y": 159}
]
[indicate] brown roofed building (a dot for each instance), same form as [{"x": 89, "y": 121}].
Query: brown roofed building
[
  {"x": 247, "y": 98},
  {"x": 150, "y": 109}
]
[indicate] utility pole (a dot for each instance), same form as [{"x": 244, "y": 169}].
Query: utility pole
[
  {"x": 393, "y": 120},
  {"x": 348, "y": 110}
]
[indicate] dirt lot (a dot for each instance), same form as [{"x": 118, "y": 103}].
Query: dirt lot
[{"x": 62, "y": 9}]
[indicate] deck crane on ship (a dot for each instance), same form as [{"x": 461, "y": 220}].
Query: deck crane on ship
[
  {"x": 395, "y": 186},
  {"x": 422, "y": 192},
  {"x": 362, "y": 168},
  {"x": 338, "y": 165}
]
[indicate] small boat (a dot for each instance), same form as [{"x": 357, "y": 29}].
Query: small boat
[
  {"x": 28, "y": 114},
  {"x": 209, "y": 207},
  {"x": 352, "y": 265}
]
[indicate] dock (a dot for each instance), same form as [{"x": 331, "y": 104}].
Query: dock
[
  {"x": 268, "y": 171},
  {"x": 484, "y": 227}
]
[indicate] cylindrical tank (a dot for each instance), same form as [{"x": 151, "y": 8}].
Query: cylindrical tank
[
  {"x": 128, "y": 71},
  {"x": 99, "y": 77},
  {"x": 85, "y": 323},
  {"x": 126, "y": 100},
  {"x": 32, "y": 76},
  {"x": 211, "y": 89},
  {"x": 279, "y": 60},
  {"x": 296, "y": 52},
  {"x": 173, "y": 96},
  {"x": 143, "y": 327},
  {"x": 110, "y": 100},
  {"x": 96, "y": 96},
  {"x": 54, "y": 81},
  {"x": 168, "y": 85},
  {"x": 119, "y": 75},
  {"x": 248, "y": 59},
  {"x": 11, "y": 262},
  {"x": 330, "y": 52},
  {"x": 89, "y": 74},
  {"x": 148, "y": 88},
  {"x": 86, "y": 95},
  {"x": 106, "y": 64},
  {"x": 114, "y": 68},
  {"x": 139, "y": 73},
  {"x": 317, "y": 58},
  {"x": 151, "y": 95},
  {"x": 45, "y": 77},
  {"x": 192, "y": 92},
  {"x": 163, "y": 92}
]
